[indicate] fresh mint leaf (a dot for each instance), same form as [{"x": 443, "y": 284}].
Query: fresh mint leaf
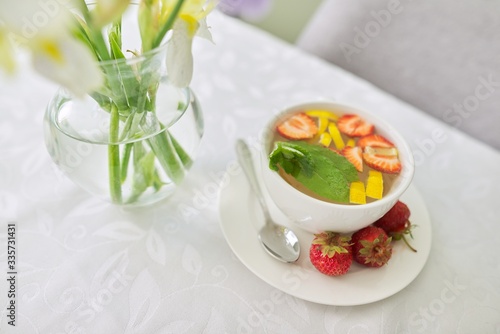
[
  {"x": 293, "y": 159},
  {"x": 319, "y": 169}
]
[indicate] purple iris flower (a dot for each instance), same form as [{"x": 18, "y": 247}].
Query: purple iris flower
[{"x": 247, "y": 9}]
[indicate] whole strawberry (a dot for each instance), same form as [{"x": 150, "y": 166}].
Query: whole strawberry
[
  {"x": 396, "y": 223},
  {"x": 371, "y": 246},
  {"x": 331, "y": 253}
]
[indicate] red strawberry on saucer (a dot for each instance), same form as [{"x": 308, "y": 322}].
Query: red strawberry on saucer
[
  {"x": 396, "y": 223},
  {"x": 331, "y": 253},
  {"x": 371, "y": 246}
]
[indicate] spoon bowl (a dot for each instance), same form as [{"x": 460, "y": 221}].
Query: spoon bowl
[
  {"x": 279, "y": 241},
  {"x": 284, "y": 243}
]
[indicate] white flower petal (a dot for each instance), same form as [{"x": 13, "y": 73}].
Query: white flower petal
[
  {"x": 203, "y": 30},
  {"x": 7, "y": 61},
  {"x": 180, "y": 56},
  {"x": 32, "y": 18},
  {"x": 106, "y": 11},
  {"x": 198, "y": 8},
  {"x": 68, "y": 63},
  {"x": 195, "y": 8}
]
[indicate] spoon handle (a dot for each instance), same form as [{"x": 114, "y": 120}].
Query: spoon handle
[{"x": 245, "y": 159}]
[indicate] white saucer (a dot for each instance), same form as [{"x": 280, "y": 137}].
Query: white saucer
[{"x": 240, "y": 219}]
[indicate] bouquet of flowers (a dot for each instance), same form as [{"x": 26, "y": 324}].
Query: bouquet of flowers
[{"x": 80, "y": 45}]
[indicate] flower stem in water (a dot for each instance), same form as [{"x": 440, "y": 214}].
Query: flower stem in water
[{"x": 114, "y": 157}]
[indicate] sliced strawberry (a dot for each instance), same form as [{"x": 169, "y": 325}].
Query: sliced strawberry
[
  {"x": 384, "y": 163},
  {"x": 299, "y": 126},
  {"x": 374, "y": 141},
  {"x": 354, "y": 156},
  {"x": 384, "y": 150},
  {"x": 354, "y": 126}
]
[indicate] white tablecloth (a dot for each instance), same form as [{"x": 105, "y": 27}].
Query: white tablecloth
[{"x": 85, "y": 266}]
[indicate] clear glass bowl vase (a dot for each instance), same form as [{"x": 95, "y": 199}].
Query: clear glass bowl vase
[{"x": 133, "y": 141}]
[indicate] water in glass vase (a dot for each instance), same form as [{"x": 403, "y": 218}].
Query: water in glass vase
[{"x": 144, "y": 162}]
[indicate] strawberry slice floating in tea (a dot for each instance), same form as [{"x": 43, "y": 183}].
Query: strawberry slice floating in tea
[
  {"x": 380, "y": 154},
  {"x": 354, "y": 126},
  {"x": 354, "y": 155},
  {"x": 380, "y": 161},
  {"x": 299, "y": 126},
  {"x": 374, "y": 141}
]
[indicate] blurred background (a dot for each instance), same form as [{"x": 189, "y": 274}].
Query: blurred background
[{"x": 282, "y": 18}]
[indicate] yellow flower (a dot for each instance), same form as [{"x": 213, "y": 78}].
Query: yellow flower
[{"x": 196, "y": 9}]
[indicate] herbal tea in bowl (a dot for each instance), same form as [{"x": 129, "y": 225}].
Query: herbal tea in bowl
[{"x": 334, "y": 167}]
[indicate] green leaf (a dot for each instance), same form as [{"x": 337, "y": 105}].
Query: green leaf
[
  {"x": 292, "y": 158},
  {"x": 147, "y": 25},
  {"x": 319, "y": 169},
  {"x": 115, "y": 36},
  {"x": 146, "y": 170},
  {"x": 131, "y": 128},
  {"x": 169, "y": 23},
  {"x": 144, "y": 175},
  {"x": 168, "y": 157},
  {"x": 183, "y": 155},
  {"x": 116, "y": 50}
]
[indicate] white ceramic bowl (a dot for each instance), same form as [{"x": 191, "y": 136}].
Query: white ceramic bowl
[{"x": 314, "y": 215}]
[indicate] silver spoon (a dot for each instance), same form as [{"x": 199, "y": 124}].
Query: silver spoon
[{"x": 278, "y": 240}]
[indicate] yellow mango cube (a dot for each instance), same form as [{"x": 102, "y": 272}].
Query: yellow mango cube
[
  {"x": 322, "y": 124},
  {"x": 336, "y": 136},
  {"x": 351, "y": 143},
  {"x": 322, "y": 114},
  {"x": 375, "y": 185},
  {"x": 357, "y": 193},
  {"x": 325, "y": 139}
]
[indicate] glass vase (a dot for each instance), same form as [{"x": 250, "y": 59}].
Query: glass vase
[{"x": 132, "y": 141}]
